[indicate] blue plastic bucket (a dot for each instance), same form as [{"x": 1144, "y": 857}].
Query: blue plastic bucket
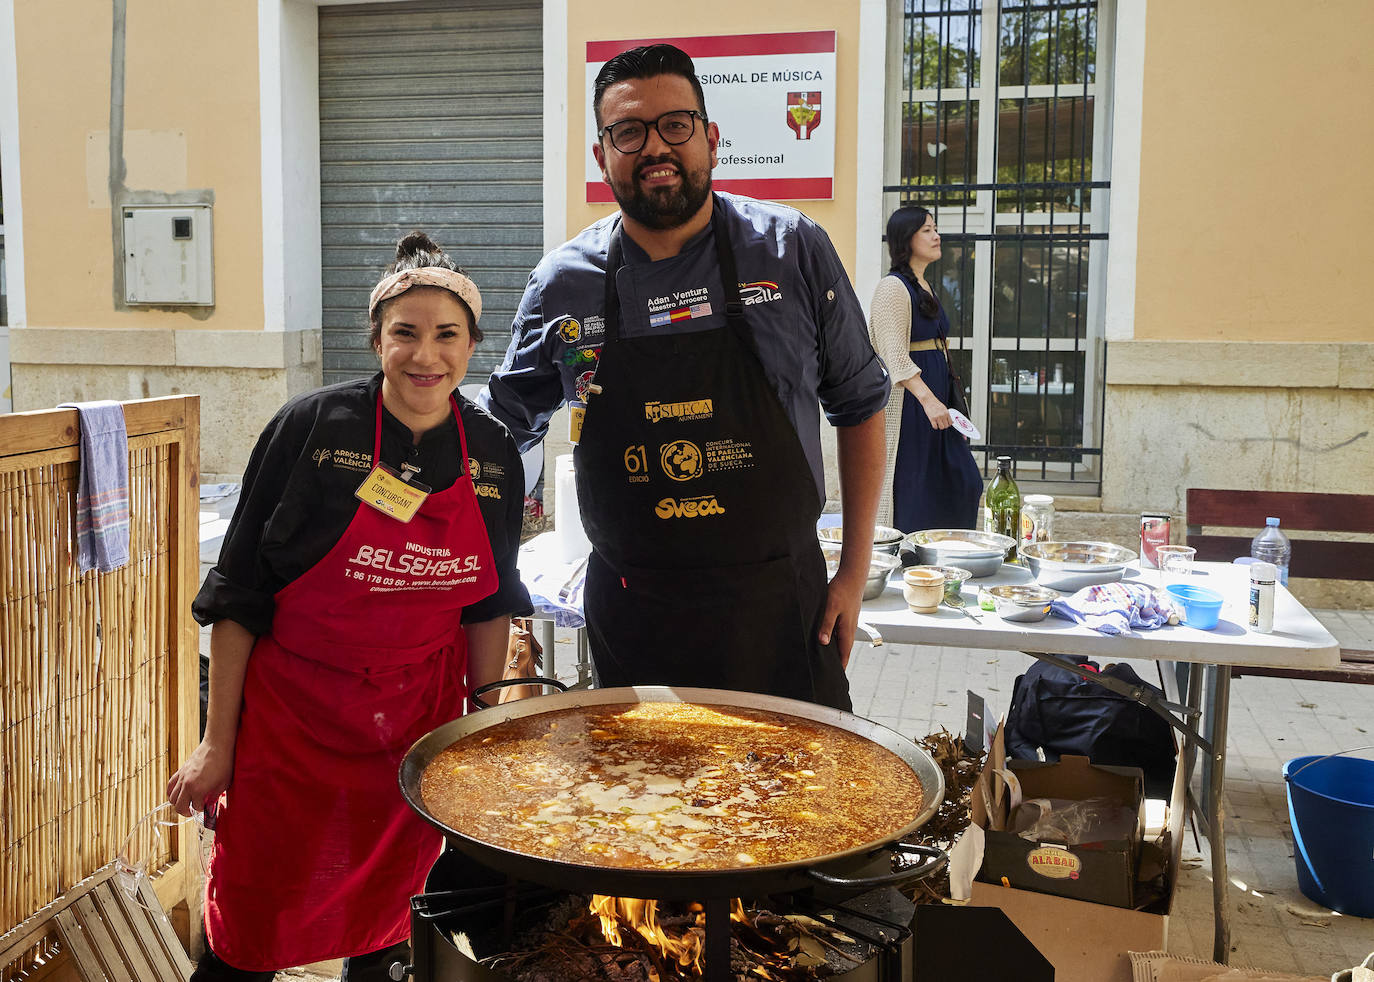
[{"x": 1331, "y": 812}]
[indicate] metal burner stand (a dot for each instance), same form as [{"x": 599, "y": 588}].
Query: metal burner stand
[{"x": 880, "y": 919}]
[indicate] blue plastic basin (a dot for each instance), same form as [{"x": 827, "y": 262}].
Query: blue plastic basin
[{"x": 1201, "y": 606}]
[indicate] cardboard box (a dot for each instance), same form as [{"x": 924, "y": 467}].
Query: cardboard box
[
  {"x": 1088, "y": 942},
  {"x": 1101, "y": 866}
]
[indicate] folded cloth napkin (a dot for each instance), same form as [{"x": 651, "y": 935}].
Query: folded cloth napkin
[
  {"x": 1114, "y": 608},
  {"x": 102, "y": 495}
]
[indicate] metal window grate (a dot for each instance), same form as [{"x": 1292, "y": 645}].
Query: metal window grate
[{"x": 1001, "y": 139}]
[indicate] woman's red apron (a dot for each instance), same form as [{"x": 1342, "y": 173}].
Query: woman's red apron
[{"x": 316, "y": 853}]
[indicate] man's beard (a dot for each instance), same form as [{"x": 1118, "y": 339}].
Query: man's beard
[{"x": 664, "y": 208}]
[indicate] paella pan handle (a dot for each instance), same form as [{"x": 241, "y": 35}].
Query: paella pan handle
[
  {"x": 935, "y": 860},
  {"x": 482, "y": 690}
]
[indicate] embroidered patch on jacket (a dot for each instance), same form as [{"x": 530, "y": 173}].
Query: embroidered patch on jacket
[
  {"x": 570, "y": 330},
  {"x": 582, "y": 385},
  {"x": 666, "y": 317},
  {"x": 576, "y": 356},
  {"x": 760, "y": 291},
  {"x": 347, "y": 460}
]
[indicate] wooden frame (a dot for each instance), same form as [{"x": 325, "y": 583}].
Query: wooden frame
[
  {"x": 1304, "y": 511},
  {"x": 100, "y": 672}
]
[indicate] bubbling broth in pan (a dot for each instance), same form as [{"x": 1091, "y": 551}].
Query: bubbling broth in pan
[{"x": 658, "y": 785}]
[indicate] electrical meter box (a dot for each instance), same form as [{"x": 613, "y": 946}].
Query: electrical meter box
[{"x": 168, "y": 255}]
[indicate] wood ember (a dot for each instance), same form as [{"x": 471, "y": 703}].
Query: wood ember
[
  {"x": 783, "y": 948},
  {"x": 960, "y": 771}
]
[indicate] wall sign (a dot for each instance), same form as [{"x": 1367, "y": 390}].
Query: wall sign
[{"x": 773, "y": 98}]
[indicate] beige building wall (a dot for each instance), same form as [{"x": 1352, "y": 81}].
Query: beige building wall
[
  {"x": 182, "y": 91},
  {"x": 1249, "y": 363},
  {"x": 184, "y": 129},
  {"x": 1254, "y": 225}
]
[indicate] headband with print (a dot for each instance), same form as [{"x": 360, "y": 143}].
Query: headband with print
[{"x": 402, "y": 280}]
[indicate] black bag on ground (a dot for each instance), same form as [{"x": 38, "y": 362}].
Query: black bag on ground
[{"x": 1059, "y": 712}]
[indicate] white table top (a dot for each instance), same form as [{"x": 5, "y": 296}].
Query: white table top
[{"x": 1298, "y": 640}]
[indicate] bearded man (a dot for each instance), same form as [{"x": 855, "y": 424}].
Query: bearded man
[{"x": 696, "y": 337}]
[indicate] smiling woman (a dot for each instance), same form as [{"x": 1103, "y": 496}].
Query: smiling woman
[
  {"x": 364, "y": 588},
  {"x": 424, "y": 329}
]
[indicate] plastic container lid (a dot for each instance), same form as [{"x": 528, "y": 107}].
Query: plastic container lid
[
  {"x": 1263, "y": 571},
  {"x": 1039, "y": 499}
]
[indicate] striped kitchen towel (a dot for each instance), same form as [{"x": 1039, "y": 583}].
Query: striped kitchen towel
[{"x": 102, "y": 494}]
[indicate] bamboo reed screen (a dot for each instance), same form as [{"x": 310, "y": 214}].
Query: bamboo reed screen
[{"x": 99, "y": 671}]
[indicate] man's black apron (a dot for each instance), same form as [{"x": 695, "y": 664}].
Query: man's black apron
[{"x": 701, "y": 509}]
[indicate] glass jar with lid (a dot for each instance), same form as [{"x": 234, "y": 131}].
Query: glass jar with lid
[{"x": 1037, "y": 518}]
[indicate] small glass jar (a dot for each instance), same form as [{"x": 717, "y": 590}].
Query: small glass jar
[{"x": 1037, "y": 518}]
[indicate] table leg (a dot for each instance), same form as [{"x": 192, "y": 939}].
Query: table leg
[
  {"x": 1214, "y": 778},
  {"x": 584, "y": 658},
  {"x": 1193, "y": 698},
  {"x": 544, "y": 635}
]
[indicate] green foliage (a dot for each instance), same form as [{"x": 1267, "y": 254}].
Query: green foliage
[
  {"x": 1035, "y": 47},
  {"x": 1048, "y": 47}
]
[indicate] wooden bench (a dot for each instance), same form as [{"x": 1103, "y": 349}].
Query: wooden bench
[{"x": 1337, "y": 559}]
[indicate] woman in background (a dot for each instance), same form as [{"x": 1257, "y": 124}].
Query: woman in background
[{"x": 933, "y": 477}]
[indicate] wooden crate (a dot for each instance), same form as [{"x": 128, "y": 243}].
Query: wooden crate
[{"x": 114, "y": 936}]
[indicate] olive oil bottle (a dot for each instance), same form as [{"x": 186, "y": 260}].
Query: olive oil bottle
[{"x": 1004, "y": 505}]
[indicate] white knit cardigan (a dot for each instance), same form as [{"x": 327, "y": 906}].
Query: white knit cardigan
[{"x": 889, "y": 327}]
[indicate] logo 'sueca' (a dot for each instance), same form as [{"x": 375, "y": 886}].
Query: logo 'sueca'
[{"x": 689, "y": 507}]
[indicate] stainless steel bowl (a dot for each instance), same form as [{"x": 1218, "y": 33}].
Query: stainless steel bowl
[
  {"x": 981, "y": 553},
  {"x": 1070, "y": 566},
  {"x": 885, "y": 539},
  {"x": 954, "y": 579},
  {"x": 880, "y": 567},
  {"x": 1021, "y": 601}
]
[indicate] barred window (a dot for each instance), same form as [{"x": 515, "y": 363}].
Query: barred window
[{"x": 999, "y": 133}]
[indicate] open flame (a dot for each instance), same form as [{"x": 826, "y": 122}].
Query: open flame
[{"x": 684, "y": 945}]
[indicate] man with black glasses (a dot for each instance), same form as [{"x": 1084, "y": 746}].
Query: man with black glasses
[{"x": 696, "y": 338}]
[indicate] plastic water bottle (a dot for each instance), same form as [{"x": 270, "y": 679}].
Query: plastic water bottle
[{"x": 1272, "y": 546}]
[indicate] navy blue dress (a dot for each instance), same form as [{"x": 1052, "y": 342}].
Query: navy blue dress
[{"x": 936, "y": 482}]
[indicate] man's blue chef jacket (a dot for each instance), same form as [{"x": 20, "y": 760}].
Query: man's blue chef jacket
[{"x": 807, "y": 323}]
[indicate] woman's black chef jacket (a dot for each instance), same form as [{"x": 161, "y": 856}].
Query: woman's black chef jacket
[{"x": 297, "y": 497}]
